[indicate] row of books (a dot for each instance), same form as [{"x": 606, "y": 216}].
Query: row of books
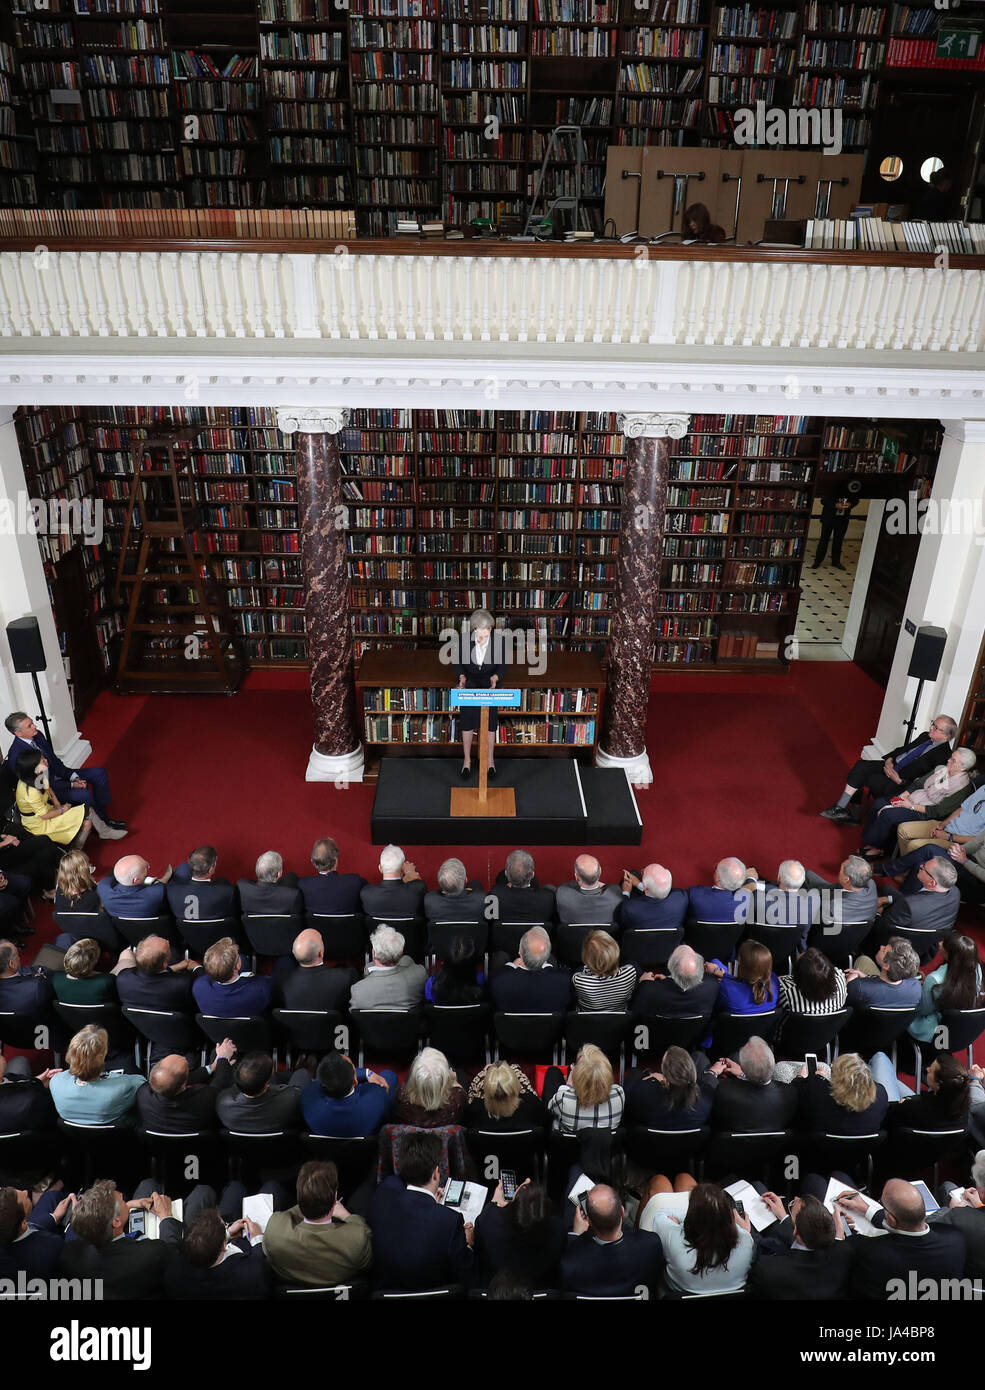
[
  {"x": 427, "y": 699},
  {"x": 876, "y": 234}
]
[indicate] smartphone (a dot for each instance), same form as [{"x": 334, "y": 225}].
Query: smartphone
[
  {"x": 137, "y": 1225},
  {"x": 811, "y": 1060},
  {"x": 508, "y": 1179},
  {"x": 739, "y": 1206},
  {"x": 453, "y": 1192},
  {"x": 583, "y": 1203}
]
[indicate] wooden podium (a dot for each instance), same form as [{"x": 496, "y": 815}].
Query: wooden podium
[{"x": 484, "y": 800}]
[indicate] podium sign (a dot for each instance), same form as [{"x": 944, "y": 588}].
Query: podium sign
[{"x": 483, "y": 800}]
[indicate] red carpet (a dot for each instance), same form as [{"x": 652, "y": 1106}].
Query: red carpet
[{"x": 742, "y": 764}]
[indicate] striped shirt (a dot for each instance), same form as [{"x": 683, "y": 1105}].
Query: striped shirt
[
  {"x": 569, "y": 1117},
  {"x": 604, "y": 991},
  {"x": 795, "y": 1003}
]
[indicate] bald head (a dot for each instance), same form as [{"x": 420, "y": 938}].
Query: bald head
[
  {"x": 904, "y": 1204},
  {"x": 605, "y": 1211},
  {"x": 169, "y": 1077},
  {"x": 657, "y": 881},
  {"x": 152, "y": 955},
  {"x": 309, "y": 949},
  {"x": 588, "y": 870},
  {"x": 730, "y": 873},
  {"x": 130, "y": 869}
]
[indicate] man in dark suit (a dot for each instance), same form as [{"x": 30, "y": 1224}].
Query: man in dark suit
[
  {"x": 31, "y": 1236},
  {"x": 417, "y": 1243},
  {"x": 932, "y": 909},
  {"x": 310, "y": 984},
  {"x": 585, "y": 898},
  {"x": 88, "y": 787},
  {"x": 144, "y": 980},
  {"x": 800, "y": 1256},
  {"x": 687, "y": 988},
  {"x": 530, "y": 984},
  {"x": 24, "y": 989},
  {"x": 195, "y": 893},
  {"x": 459, "y": 899},
  {"x": 520, "y": 897},
  {"x": 965, "y": 1212},
  {"x": 101, "y": 1249},
  {"x": 885, "y": 1268},
  {"x": 606, "y": 1259},
  {"x": 125, "y": 892},
  {"x": 223, "y": 990},
  {"x": 747, "y": 1099},
  {"x": 908, "y": 763},
  {"x": 326, "y": 890},
  {"x": 24, "y": 1099},
  {"x": 274, "y": 894},
  {"x": 200, "y": 1272},
  {"x": 400, "y": 894},
  {"x": 254, "y": 1106},
  {"x": 857, "y": 903},
  {"x": 653, "y": 901},
  {"x": 179, "y": 1101},
  {"x": 725, "y": 900}
]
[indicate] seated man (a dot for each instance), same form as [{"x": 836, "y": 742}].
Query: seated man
[
  {"x": 935, "y": 798},
  {"x": 686, "y": 990},
  {"x": 311, "y": 984},
  {"x": 179, "y": 1101},
  {"x": 25, "y": 990},
  {"x": 274, "y": 894},
  {"x": 459, "y": 899},
  {"x": 30, "y": 1233},
  {"x": 218, "y": 1262},
  {"x": 317, "y": 1243},
  {"x": 652, "y": 902},
  {"x": 252, "y": 1105},
  {"x": 969, "y": 860},
  {"x": 145, "y": 980},
  {"x": 910, "y": 1250},
  {"x": 401, "y": 892},
  {"x": 531, "y": 984},
  {"x": 520, "y": 897},
  {"x": 859, "y": 899},
  {"x": 223, "y": 991},
  {"x": 606, "y": 1258},
  {"x": 903, "y": 765},
  {"x": 126, "y": 892},
  {"x": 24, "y": 1099},
  {"x": 785, "y": 903},
  {"x": 417, "y": 1243},
  {"x": 932, "y": 908},
  {"x": 803, "y": 1256},
  {"x": 393, "y": 980},
  {"x": 921, "y": 839},
  {"x": 129, "y": 1269},
  {"x": 326, "y": 890},
  {"x": 747, "y": 1099},
  {"x": 15, "y": 889},
  {"x": 346, "y": 1101},
  {"x": 585, "y": 898},
  {"x": 89, "y": 787},
  {"x": 965, "y": 1212},
  {"x": 895, "y": 982},
  {"x": 196, "y": 894},
  {"x": 725, "y": 901}
]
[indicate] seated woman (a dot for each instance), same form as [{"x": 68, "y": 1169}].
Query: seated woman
[
  {"x": 604, "y": 983},
  {"x": 501, "y": 1097},
  {"x": 754, "y": 989},
  {"x": 951, "y": 1093},
  {"x": 88, "y": 1095},
  {"x": 711, "y": 1249},
  {"x": 814, "y": 986},
  {"x": 698, "y": 225},
  {"x": 589, "y": 1099},
  {"x": 673, "y": 1097},
  {"x": 852, "y": 1102},
  {"x": 934, "y": 799},
  {"x": 79, "y": 982},
  {"x": 43, "y": 814},
  {"x": 75, "y": 892},
  {"x": 32, "y": 856},
  {"x": 526, "y": 1236},
  {"x": 957, "y": 984},
  {"x": 459, "y": 981},
  {"x": 431, "y": 1096}
]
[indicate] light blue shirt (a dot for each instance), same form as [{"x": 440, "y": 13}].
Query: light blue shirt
[
  {"x": 928, "y": 1016},
  {"x": 969, "y": 818},
  {"x": 680, "y": 1258},
  {"x": 105, "y": 1101}
]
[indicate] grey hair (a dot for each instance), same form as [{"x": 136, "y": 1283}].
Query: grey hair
[
  {"x": 858, "y": 871},
  {"x": 391, "y": 859},
  {"x": 452, "y": 876},
  {"x": 791, "y": 874},
  {"x": 942, "y": 871},
  {"x": 978, "y": 1170},
  {"x": 482, "y": 618},
  {"x": 14, "y": 721},
  {"x": 536, "y": 937},
  {"x": 270, "y": 866},
  {"x": 387, "y": 944},
  {"x": 902, "y": 961},
  {"x": 653, "y": 889},
  {"x": 968, "y": 758},
  {"x": 681, "y": 957},
  {"x": 950, "y": 725},
  {"x": 520, "y": 868},
  {"x": 731, "y": 873},
  {"x": 757, "y": 1061}
]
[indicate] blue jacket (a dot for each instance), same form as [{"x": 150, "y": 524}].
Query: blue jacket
[
  {"x": 360, "y": 1113},
  {"x": 417, "y": 1244},
  {"x": 711, "y": 904},
  {"x": 131, "y": 899},
  {"x": 243, "y": 998}
]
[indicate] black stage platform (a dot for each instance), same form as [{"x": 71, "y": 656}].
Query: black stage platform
[{"x": 558, "y": 802}]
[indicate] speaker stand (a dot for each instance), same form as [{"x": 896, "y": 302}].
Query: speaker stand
[
  {"x": 43, "y": 716},
  {"x": 911, "y": 722}
]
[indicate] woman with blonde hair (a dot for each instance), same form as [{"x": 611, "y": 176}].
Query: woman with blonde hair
[
  {"x": 604, "y": 983},
  {"x": 501, "y": 1097},
  {"x": 480, "y": 668},
  {"x": 86, "y": 1093},
  {"x": 431, "y": 1096},
  {"x": 589, "y": 1099},
  {"x": 78, "y": 982},
  {"x": 78, "y": 911},
  {"x": 852, "y": 1102}
]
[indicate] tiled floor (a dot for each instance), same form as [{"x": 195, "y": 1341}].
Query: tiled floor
[{"x": 824, "y": 599}]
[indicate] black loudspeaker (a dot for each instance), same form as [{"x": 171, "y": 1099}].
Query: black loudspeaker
[
  {"x": 26, "y": 646},
  {"x": 927, "y": 654}
]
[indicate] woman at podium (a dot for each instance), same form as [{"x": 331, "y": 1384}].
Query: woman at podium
[{"x": 480, "y": 672}]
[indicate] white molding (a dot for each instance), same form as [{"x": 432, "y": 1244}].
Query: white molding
[
  {"x": 78, "y": 750},
  {"x": 966, "y": 431},
  {"x": 312, "y": 419},
  {"x": 340, "y": 768}
]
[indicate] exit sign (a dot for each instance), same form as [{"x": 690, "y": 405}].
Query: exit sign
[{"x": 957, "y": 43}]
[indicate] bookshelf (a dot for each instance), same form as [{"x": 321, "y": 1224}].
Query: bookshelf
[
  {"x": 751, "y": 57},
  {"x": 971, "y": 731},
  {"x": 18, "y": 149},
  {"x": 662, "y": 74}
]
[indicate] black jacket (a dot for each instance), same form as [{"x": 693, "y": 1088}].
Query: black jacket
[
  {"x": 192, "y": 1110},
  {"x": 882, "y": 1266},
  {"x": 332, "y": 893},
  {"x": 745, "y": 1108},
  {"x": 612, "y": 1269},
  {"x": 315, "y": 987},
  {"x": 417, "y": 1244},
  {"x": 782, "y": 1272}
]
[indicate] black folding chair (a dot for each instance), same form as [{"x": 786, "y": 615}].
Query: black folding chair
[
  {"x": 442, "y": 935},
  {"x": 668, "y": 1150},
  {"x": 167, "y": 1029},
  {"x": 410, "y": 928},
  {"x": 649, "y": 948},
  {"x": 97, "y": 925},
  {"x": 522, "y": 1150},
  {"x": 108, "y": 1016},
  {"x": 872, "y": 1030},
  {"x": 506, "y": 936},
  {"x": 528, "y": 1035},
  {"x": 607, "y": 1029},
  {"x": 247, "y": 1155},
  {"x": 169, "y": 1155},
  {"x": 733, "y": 1031},
  {"x": 197, "y": 936},
  {"x": 250, "y": 1034},
  {"x": 354, "y": 1158},
  {"x": 653, "y": 1033},
  {"x": 755, "y": 1154},
  {"x": 959, "y": 1029},
  {"x": 272, "y": 935},
  {"x": 714, "y": 940},
  {"x": 315, "y": 1031},
  {"x": 460, "y": 1031},
  {"x": 133, "y": 930},
  {"x": 95, "y": 1150},
  {"x": 919, "y": 1150},
  {"x": 343, "y": 935},
  {"x": 447, "y": 1293},
  {"x": 570, "y": 940},
  {"x": 843, "y": 1153},
  {"x": 323, "y": 1293},
  {"x": 803, "y": 1033},
  {"x": 841, "y": 942},
  {"x": 387, "y": 1032}
]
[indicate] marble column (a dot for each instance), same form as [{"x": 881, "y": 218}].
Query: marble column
[
  {"x": 337, "y": 754},
  {"x": 623, "y": 738}
]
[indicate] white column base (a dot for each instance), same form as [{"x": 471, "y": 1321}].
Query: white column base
[
  {"x": 637, "y": 768},
  {"x": 340, "y": 768},
  {"x": 76, "y": 753}
]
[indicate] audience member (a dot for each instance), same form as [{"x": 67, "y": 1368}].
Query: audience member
[
  {"x": 519, "y": 896},
  {"x": 79, "y": 982},
  {"x": 30, "y": 1235},
  {"x": 894, "y": 982},
  {"x": 345, "y": 1101},
  {"x": 951, "y": 1092},
  {"x": 417, "y": 1242},
  {"x": 206, "y": 1267},
  {"x": 711, "y": 1249},
  {"x": 957, "y": 984},
  {"x": 685, "y": 991},
  {"x": 748, "y": 1100},
  {"x": 224, "y": 990},
  {"x": 934, "y": 798},
  {"x": 754, "y": 988},
  {"x": 814, "y": 986},
  {"x": 88, "y": 787},
  {"x": 76, "y": 892},
  {"x": 653, "y": 901},
  {"x": 25, "y": 990},
  {"x": 326, "y": 891},
  {"x": 459, "y": 899},
  {"x": 589, "y": 1099},
  {"x": 460, "y": 981},
  {"x": 801, "y": 1256},
  {"x": 909, "y": 1244},
  {"x": 965, "y": 1212},
  {"x": 501, "y": 1097},
  {"x": 126, "y": 893},
  {"x": 393, "y": 980},
  {"x": 86, "y": 1094},
  {"x": 274, "y": 893},
  {"x": 145, "y": 980},
  {"x": 585, "y": 898},
  {"x": 311, "y": 984},
  {"x": 179, "y": 1101},
  {"x": 25, "y": 1102},
  {"x": 253, "y": 1105},
  {"x": 675, "y": 1097},
  {"x": 525, "y": 1236},
  {"x": 400, "y": 893},
  {"x": 531, "y": 984},
  {"x": 431, "y": 1097},
  {"x": 852, "y": 1102},
  {"x": 129, "y": 1269},
  {"x": 318, "y": 1242},
  {"x": 931, "y": 908},
  {"x": 857, "y": 901},
  {"x": 727, "y": 899},
  {"x": 195, "y": 894},
  {"x": 603, "y": 983},
  {"x": 604, "y": 1258},
  {"x": 908, "y": 763}
]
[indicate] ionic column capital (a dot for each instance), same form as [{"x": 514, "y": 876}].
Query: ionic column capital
[
  {"x": 312, "y": 419},
  {"x": 652, "y": 425}
]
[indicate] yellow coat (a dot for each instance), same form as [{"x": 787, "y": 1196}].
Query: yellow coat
[{"x": 32, "y": 804}]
